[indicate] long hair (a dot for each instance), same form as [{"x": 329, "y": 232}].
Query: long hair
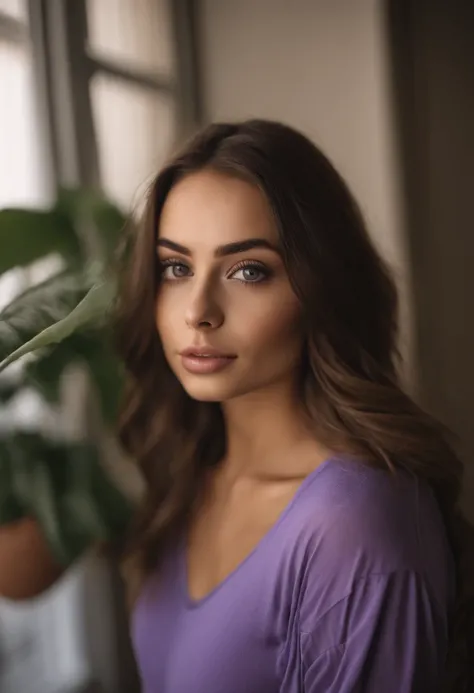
[{"x": 350, "y": 383}]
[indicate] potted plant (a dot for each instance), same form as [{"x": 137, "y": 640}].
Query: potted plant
[{"x": 54, "y": 487}]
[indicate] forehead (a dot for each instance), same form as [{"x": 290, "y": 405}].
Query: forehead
[{"x": 210, "y": 208}]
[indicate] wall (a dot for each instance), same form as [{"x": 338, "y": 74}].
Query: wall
[
  {"x": 321, "y": 66},
  {"x": 433, "y": 53},
  {"x": 333, "y": 69}
]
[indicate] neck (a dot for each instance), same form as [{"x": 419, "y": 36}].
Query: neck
[{"x": 268, "y": 434}]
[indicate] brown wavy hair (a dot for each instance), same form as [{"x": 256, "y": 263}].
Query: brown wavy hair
[{"x": 350, "y": 384}]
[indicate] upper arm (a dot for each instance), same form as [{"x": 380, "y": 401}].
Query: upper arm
[{"x": 387, "y": 635}]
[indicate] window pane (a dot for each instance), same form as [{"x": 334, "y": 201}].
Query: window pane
[
  {"x": 135, "y": 130},
  {"x": 15, "y": 8},
  {"x": 22, "y": 180},
  {"x": 137, "y": 32}
]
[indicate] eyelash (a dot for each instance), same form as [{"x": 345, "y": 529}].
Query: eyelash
[
  {"x": 244, "y": 264},
  {"x": 251, "y": 264},
  {"x": 172, "y": 262}
]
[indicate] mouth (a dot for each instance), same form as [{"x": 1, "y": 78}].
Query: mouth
[{"x": 205, "y": 360}]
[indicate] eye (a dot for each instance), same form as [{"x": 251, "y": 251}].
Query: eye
[
  {"x": 250, "y": 273},
  {"x": 174, "y": 269}
]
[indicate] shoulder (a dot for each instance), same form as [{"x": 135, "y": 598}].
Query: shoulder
[
  {"x": 368, "y": 550},
  {"x": 350, "y": 504},
  {"x": 355, "y": 521}
]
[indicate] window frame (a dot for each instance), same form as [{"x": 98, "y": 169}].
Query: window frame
[{"x": 64, "y": 67}]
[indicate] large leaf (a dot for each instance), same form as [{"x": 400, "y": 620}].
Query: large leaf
[
  {"x": 45, "y": 372},
  {"x": 63, "y": 486},
  {"x": 28, "y": 235},
  {"x": 95, "y": 217},
  {"x": 92, "y": 311},
  {"x": 104, "y": 368},
  {"x": 80, "y": 219},
  {"x": 39, "y": 307},
  {"x": 92, "y": 349}
]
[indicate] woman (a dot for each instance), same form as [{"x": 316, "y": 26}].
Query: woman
[{"x": 294, "y": 535}]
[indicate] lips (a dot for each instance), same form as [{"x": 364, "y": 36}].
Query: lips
[{"x": 205, "y": 360}]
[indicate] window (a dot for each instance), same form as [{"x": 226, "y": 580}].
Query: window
[
  {"x": 135, "y": 129},
  {"x": 136, "y": 33},
  {"x": 130, "y": 46},
  {"x": 21, "y": 179},
  {"x": 129, "y": 92},
  {"x": 23, "y": 174}
]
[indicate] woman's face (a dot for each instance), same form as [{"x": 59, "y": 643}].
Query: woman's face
[{"x": 227, "y": 316}]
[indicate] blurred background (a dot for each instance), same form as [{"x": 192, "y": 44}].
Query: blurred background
[{"x": 97, "y": 92}]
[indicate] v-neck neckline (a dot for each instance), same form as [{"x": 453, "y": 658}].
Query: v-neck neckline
[{"x": 191, "y": 602}]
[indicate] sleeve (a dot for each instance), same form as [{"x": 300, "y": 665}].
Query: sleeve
[{"x": 386, "y": 635}]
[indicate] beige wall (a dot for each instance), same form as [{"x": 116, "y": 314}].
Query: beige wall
[{"x": 321, "y": 66}]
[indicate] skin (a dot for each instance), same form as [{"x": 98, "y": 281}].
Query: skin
[{"x": 242, "y": 304}]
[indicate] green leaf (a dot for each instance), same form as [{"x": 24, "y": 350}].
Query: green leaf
[
  {"x": 107, "y": 377},
  {"x": 63, "y": 486},
  {"x": 28, "y": 235},
  {"x": 92, "y": 349},
  {"x": 10, "y": 506},
  {"x": 105, "y": 372},
  {"x": 92, "y": 213},
  {"x": 92, "y": 311},
  {"x": 39, "y": 307},
  {"x": 45, "y": 372}
]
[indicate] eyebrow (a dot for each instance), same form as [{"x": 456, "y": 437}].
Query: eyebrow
[{"x": 222, "y": 250}]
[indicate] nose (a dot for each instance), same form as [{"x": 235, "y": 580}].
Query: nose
[{"x": 204, "y": 311}]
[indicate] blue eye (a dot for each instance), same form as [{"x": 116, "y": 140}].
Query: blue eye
[
  {"x": 251, "y": 273},
  {"x": 173, "y": 270}
]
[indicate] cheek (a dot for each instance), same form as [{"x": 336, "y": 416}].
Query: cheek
[
  {"x": 278, "y": 327},
  {"x": 165, "y": 317}
]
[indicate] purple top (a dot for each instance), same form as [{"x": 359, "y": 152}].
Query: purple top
[{"x": 349, "y": 591}]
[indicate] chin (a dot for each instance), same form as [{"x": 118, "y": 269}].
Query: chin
[
  {"x": 208, "y": 389},
  {"x": 209, "y": 394}
]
